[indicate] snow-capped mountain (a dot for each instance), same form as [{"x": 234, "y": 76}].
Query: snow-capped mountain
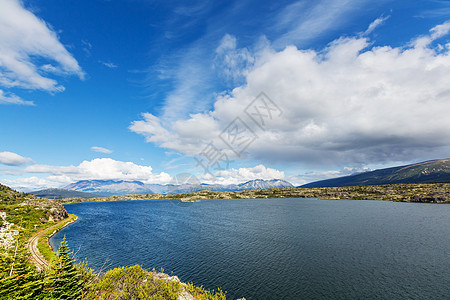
[
  {"x": 110, "y": 187},
  {"x": 121, "y": 187},
  {"x": 263, "y": 184}
]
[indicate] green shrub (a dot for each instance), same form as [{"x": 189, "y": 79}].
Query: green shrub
[
  {"x": 201, "y": 294},
  {"x": 133, "y": 283}
]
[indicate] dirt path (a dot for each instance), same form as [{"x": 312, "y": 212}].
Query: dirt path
[{"x": 36, "y": 256}]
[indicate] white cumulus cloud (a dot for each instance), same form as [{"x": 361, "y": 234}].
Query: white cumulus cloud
[
  {"x": 100, "y": 168},
  {"x": 46, "y": 176},
  {"x": 348, "y": 104},
  {"x": 236, "y": 176},
  {"x": 13, "y": 159}
]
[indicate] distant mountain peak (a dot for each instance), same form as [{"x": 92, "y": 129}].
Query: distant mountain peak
[
  {"x": 120, "y": 187},
  {"x": 56, "y": 193}
]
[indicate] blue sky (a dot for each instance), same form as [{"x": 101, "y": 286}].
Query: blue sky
[{"x": 144, "y": 90}]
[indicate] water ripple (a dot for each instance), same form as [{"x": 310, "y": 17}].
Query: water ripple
[{"x": 275, "y": 248}]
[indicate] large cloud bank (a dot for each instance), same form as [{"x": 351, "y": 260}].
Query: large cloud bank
[
  {"x": 99, "y": 168},
  {"x": 45, "y": 176},
  {"x": 351, "y": 103}
]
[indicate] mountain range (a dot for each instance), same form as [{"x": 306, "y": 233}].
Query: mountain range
[
  {"x": 96, "y": 188},
  {"x": 433, "y": 171},
  {"x": 426, "y": 172},
  {"x": 55, "y": 193}
]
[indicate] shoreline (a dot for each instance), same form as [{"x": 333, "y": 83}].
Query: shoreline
[
  {"x": 256, "y": 198},
  {"x": 59, "y": 229},
  {"x": 438, "y": 193},
  {"x": 37, "y": 257},
  {"x": 64, "y": 226}
]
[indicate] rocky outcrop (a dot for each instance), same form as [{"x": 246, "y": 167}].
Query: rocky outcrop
[
  {"x": 429, "y": 198},
  {"x": 7, "y": 232},
  {"x": 54, "y": 211}
]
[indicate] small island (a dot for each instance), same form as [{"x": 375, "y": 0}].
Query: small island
[{"x": 188, "y": 199}]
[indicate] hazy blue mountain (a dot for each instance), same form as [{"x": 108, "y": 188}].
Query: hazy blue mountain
[
  {"x": 54, "y": 193},
  {"x": 110, "y": 187},
  {"x": 249, "y": 185},
  {"x": 263, "y": 184},
  {"x": 121, "y": 187},
  {"x": 426, "y": 172}
]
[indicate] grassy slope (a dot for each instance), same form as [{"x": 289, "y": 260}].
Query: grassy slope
[{"x": 29, "y": 212}]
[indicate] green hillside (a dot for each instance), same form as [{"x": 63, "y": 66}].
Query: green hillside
[{"x": 28, "y": 210}]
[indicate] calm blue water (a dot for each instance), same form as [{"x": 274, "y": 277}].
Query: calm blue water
[{"x": 275, "y": 248}]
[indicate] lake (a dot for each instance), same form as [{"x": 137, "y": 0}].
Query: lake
[{"x": 274, "y": 248}]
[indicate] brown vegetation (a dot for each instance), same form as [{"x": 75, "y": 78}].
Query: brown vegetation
[{"x": 416, "y": 192}]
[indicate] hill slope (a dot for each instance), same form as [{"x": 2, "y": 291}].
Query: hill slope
[
  {"x": 14, "y": 202},
  {"x": 25, "y": 212},
  {"x": 425, "y": 172}
]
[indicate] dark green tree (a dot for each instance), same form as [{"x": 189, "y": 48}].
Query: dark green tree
[
  {"x": 64, "y": 281},
  {"x": 23, "y": 282}
]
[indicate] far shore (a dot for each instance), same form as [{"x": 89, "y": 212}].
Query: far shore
[{"x": 413, "y": 192}]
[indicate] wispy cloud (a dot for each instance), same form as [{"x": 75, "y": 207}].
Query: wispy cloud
[
  {"x": 86, "y": 47},
  {"x": 378, "y": 22},
  {"x": 191, "y": 80},
  {"x": 311, "y": 176},
  {"x": 303, "y": 21},
  {"x": 9, "y": 98},
  {"x": 435, "y": 33},
  {"x": 101, "y": 150},
  {"x": 187, "y": 77},
  {"x": 25, "y": 42},
  {"x": 232, "y": 62},
  {"x": 108, "y": 64},
  {"x": 196, "y": 9},
  {"x": 441, "y": 9}
]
